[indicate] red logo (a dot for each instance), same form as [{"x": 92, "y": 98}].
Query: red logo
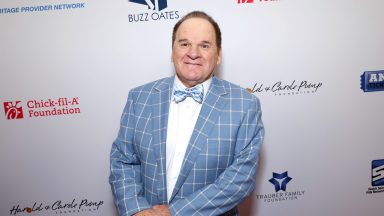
[
  {"x": 244, "y": 1},
  {"x": 13, "y": 110}
]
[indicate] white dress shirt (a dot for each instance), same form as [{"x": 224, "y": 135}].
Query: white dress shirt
[{"x": 181, "y": 122}]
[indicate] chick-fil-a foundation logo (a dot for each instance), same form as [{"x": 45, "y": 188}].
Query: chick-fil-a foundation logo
[
  {"x": 38, "y": 108},
  {"x": 13, "y": 110}
]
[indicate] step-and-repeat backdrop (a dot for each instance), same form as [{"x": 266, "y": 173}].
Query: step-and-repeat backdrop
[{"x": 317, "y": 67}]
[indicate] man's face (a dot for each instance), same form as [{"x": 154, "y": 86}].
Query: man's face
[{"x": 194, "y": 51}]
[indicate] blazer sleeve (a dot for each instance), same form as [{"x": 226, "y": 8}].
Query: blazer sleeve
[
  {"x": 238, "y": 180},
  {"x": 125, "y": 177}
]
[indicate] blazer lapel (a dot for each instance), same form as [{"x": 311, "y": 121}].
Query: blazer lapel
[
  {"x": 160, "y": 101},
  {"x": 209, "y": 113}
]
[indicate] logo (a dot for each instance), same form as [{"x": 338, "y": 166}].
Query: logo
[
  {"x": 292, "y": 88},
  {"x": 252, "y": 1},
  {"x": 280, "y": 181},
  {"x": 42, "y": 108},
  {"x": 152, "y": 4},
  {"x": 377, "y": 177},
  {"x": 60, "y": 207},
  {"x": 378, "y": 173},
  {"x": 154, "y": 12},
  {"x": 13, "y": 110},
  {"x": 244, "y": 1},
  {"x": 372, "y": 81},
  {"x": 41, "y": 8}
]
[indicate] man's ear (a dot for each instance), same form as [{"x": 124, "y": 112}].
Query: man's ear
[{"x": 219, "y": 57}]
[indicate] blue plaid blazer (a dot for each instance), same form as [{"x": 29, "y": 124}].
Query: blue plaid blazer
[{"x": 219, "y": 167}]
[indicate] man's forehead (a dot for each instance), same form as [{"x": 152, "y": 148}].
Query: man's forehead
[{"x": 196, "y": 26}]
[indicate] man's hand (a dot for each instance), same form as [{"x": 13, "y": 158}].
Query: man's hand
[
  {"x": 162, "y": 210},
  {"x": 147, "y": 212},
  {"x": 156, "y": 210}
]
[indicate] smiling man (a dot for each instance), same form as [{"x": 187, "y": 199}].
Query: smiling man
[{"x": 187, "y": 144}]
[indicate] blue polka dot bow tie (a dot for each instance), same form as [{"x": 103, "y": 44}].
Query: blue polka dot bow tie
[{"x": 196, "y": 92}]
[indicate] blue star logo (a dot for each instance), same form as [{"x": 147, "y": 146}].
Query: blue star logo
[{"x": 280, "y": 181}]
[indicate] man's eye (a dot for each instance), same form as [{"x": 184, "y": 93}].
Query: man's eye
[
  {"x": 184, "y": 44},
  {"x": 205, "y": 46}
]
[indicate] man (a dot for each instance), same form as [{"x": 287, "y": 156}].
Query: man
[{"x": 188, "y": 144}]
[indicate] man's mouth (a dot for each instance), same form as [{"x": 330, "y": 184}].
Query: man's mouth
[{"x": 193, "y": 63}]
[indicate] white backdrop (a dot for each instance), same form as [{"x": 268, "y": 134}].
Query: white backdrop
[{"x": 67, "y": 66}]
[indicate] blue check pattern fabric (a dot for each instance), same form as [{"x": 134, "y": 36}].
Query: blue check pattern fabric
[
  {"x": 220, "y": 163},
  {"x": 180, "y": 93}
]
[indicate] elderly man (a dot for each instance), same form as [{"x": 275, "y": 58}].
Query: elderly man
[{"x": 188, "y": 144}]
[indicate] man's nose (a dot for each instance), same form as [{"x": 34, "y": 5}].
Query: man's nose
[{"x": 193, "y": 52}]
